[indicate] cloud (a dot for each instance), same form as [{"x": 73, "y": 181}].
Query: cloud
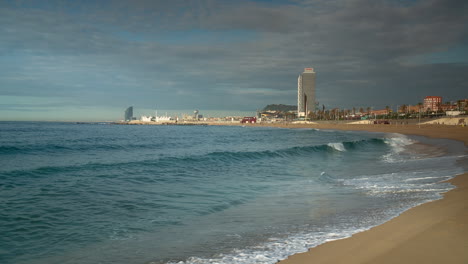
[{"x": 232, "y": 55}]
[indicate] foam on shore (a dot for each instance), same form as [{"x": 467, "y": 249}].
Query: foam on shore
[{"x": 431, "y": 233}]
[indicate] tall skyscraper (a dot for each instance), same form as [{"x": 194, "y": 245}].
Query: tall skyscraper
[
  {"x": 306, "y": 92},
  {"x": 128, "y": 114}
]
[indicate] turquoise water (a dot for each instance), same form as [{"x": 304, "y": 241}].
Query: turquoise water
[{"x": 101, "y": 193}]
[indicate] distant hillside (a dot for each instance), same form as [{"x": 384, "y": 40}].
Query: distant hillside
[{"x": 280, "y": 107}]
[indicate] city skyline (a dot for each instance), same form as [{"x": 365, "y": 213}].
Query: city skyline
[{"x": 80, "y": 60}]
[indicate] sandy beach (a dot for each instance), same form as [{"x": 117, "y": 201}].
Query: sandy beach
[{"x": 435, "y": 232}]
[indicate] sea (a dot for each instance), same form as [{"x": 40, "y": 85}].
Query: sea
[{"x": 147, "y": 194}]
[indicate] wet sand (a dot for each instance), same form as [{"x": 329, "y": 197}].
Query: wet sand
[{"x": 435, "y": 232}]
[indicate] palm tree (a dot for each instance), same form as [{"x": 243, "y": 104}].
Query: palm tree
[
  {"x": 346, "y": 113},
  {"x": 439, "y": 108},
  {"x": 403, "y": 108},
  {"x": 332, "y": 113}
]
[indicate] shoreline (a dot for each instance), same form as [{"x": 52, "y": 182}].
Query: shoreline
[
  {"x": 434, "y": 232},
  {"x": 458, "y": 133},
  {"x": 437, "y": 233}
]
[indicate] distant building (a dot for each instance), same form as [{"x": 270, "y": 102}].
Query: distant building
[
  {"x": 379, "y": 112},
  {"x": 413, "y": 109},
  {"x": 453, "y": 113},
  {"x": 449, "y": 107},
  {"x": 306, "y": 92},
  {"x": 129, "y": 114},
  {"x": 432, "y": 103},
  {"x": 462, "y": 104},
  {"x": 146, "y": 118},
  {"x": 162, "y": 118}
]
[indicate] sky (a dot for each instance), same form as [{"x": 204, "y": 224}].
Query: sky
[{"x": 90, "y": 60}]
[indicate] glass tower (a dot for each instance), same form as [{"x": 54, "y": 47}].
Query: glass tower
[{"x": 306, "y": 92}]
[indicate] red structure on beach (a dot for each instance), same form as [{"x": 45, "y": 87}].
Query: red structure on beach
[{"x": 249, "y": 119}]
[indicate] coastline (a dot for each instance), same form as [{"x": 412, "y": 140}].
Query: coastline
[
  {"x": 434, "y": 232},
  {"x": 439, "y": 230},
  {"x": 458, "y": 133}
]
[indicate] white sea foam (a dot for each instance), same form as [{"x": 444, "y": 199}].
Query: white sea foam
[
  {"x": 397, "y": 142},
  {"x": 337, "y": 146},
  {"x": 384, "y": 184},
  {"x": 276, "y": 249},
  {"x": 426, "y": 178}
]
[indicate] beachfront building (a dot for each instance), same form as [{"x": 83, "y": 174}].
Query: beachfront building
[
  {"x": 128, "y": 114},
  {"x": 379, "y": 112},
  {"x": 432, "y": 103},
  {"x": 462, "y": 104},
  {"x": 413, "y": 109},
  {"x": 449, "y": 107},
  {"x": 306, "y": 92}
]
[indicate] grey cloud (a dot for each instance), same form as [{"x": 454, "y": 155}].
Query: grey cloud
[
  {"x": 254, "y": 17},
  {"x": 379, "y": 30},
  {"x": 358, "y": 47}
]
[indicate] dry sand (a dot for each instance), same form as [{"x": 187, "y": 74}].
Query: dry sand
[{"x": 435, "y": 232}]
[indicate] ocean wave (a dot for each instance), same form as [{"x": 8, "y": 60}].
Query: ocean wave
[
  {"x": 67, "y": 148},
  {"x": 397, "y": 142},
  {"x": 222, "y": 157},
  {"x": 286, "y": 152},
  {"x": 337, "y": 146}
]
